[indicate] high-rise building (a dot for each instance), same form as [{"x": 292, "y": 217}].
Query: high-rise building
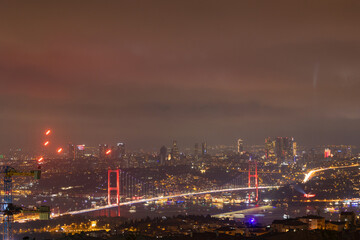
[
  {"x": 284, "y": 149},
  {"x": 348, "y": 151},
  {"x": 80, "y": 151},
  {"x": 327, "y": 153},
  {"x": 118, "y": 151},
  {"x": 121, "y": 148},
  {"x": 71, "y": 151},
  {"x": 175, "y": 155},
  {"x": 203, "y": 148},
  {"x": 240, "y": 147},
  {"x": 163, "y": 155},
  {"x": 341, "y": 151},
  {"x": 294, "y": 148},
  {"x": 269, "y": 148},
  {"x": 281, "y": 149}
]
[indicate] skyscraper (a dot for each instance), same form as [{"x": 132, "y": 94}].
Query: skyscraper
[
  {"x": 269, "y": 148},
  {"x": 280, "y": 149},
  {"x": 80, "y": 151},
  {"x": 203, "y": 148},
  {"x": 240, "y": 147},
  {"x": 163, "y": 155},
  {"x": 327, "y": 153},
  {"x": 284, "y": 149},
  {"x": 71, "y": 153},
  {"x": 121, "y": 147},
  {"x": 294, "y": 148},
  {"x": 175, "y": 155},
  {"x": 119, "y": 150}
]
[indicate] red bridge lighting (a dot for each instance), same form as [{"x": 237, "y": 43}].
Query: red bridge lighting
[
  {"x": 46, "y": 143},
  {"x": 48, "y": 132}
]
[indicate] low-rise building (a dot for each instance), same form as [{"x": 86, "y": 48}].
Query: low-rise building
[
  {"x": 288, "y": 225},
  {"x": 313, "y": 221},
  {"x": 335, "y": 226},
  {"x": 348, "y": 217},
  {"x": 230, "y": 230}
]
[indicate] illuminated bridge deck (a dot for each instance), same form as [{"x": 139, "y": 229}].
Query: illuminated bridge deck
[{"x": 159, "y": 198}]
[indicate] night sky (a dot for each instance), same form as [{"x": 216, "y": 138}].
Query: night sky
[{"x": 147, "y": 72}]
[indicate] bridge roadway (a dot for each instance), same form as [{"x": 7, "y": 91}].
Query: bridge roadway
[{"x": 159, "y": 198}]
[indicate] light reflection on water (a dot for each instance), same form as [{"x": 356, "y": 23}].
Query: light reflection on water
[
  {"x": 263, "y": 216},
  {"x": 199, "y": 207}
]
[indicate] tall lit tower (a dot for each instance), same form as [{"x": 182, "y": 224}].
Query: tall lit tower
[
  {"x": 163, "y": 155},
  {"x": 121, "y": 149},
  {"x": 294, "y": 149},
  {"x": 203, "y": 148},
  {"x": 71, "y": 151},
  {"x": 240, "y": 147},
  {"x": 269, "y": 148},
  {"x": 175, "y": 155},
  {"x": 118, "y": 151}
]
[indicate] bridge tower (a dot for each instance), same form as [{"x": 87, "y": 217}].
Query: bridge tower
[
  {"x": 253, "y": 174},
  {"x": 117, "y": 188}
]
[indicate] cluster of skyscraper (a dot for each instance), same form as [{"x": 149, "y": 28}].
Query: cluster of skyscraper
[
  {"x": 104, "y": 151},
  {"x": 76, "y": 151},
  {"x": 280, "y": 149},
  {"x": 338, "y": 151},
  {"x": 113, "y": 152},
  {"x": 203, "y": 149},
  {"x": 172, "y": 156}
]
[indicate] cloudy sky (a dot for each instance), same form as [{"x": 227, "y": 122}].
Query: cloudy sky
[{"x": 147, "y": 72}]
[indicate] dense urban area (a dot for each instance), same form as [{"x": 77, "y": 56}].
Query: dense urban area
[
  {"x": 183, "y": 192},
  {"x": 180, "y": 120}
]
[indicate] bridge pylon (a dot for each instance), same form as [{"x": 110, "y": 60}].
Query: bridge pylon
[
  {"x": 253, "y": 174},
  {"x": 117, "y": 188}
]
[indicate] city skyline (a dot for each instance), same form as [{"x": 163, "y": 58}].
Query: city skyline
[
  {"x": 180, "y": 119},
  {"x": 147, "y": 74}
]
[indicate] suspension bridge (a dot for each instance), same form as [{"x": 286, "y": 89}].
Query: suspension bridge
[
  {"x": 128, "y": 190},
  {"x": 165, "y": 197},
  {"x": 125, "y": 189}
]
